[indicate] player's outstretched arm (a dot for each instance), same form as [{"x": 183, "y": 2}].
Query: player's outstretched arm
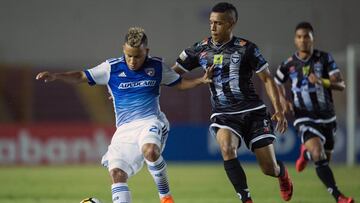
[
  {"x": 70, "y": 77},
  {"x": 191, "y": 83},
  {"x": 274, "y": 97}
]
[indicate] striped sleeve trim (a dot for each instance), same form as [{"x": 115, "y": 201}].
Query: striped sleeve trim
[
  {"x": 182, "y": 67},
  {"x": 334, "y": 71},
  {"x": 177, "y": 81},
  {"x": 91, "y": 80},
  {"x": 266, "y": 65}
]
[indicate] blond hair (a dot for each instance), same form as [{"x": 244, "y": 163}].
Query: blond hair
[{"x": 136, "y": 37}]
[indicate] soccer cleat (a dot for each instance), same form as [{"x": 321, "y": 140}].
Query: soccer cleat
[
  {"x": 167, "y": 199},
  {"x": 286, "y": 186},
  {"x": 249, "y": 201},
  {"x": 301, "y": 162},
  {"x": 343, "y": 199}
]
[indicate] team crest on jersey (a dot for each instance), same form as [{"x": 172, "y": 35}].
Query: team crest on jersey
[
  {"x": 150, "y": 71},
  {"x": 318, "y": 67},
  {"x": 235, "y": 58}
]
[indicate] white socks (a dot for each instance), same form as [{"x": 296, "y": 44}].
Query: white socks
[
  {"x": 120, "y": 193},
  {"x": 158, "y": 171}
]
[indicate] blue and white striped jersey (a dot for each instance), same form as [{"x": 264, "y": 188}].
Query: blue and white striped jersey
[{"x": 135, "y": 93}]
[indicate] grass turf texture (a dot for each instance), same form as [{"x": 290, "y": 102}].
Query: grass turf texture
[{"x": 200, "y": 183}]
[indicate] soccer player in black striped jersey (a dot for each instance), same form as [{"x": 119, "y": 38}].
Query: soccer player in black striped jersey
[
  {"x": 313, "y": 74},
  {"x": 238, "y": 112}
]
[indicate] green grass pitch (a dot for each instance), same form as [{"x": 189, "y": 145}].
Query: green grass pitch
[{"x": 190, "y": 183}]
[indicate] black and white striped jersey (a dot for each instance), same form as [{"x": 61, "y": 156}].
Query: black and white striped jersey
[
  {"x": 311, "y": 102},
  {"x": 232, "y": 90}
]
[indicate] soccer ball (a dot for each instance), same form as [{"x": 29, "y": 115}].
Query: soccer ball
[{"x": 90, "y": 200}]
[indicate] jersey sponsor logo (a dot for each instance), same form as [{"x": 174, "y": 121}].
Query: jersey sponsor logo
[
  {"x": 142, "y": 83},
  {"x": 150, "y": 71},
  {"x": 306, "y": 70},
  {"x": 122, "y": 74},
  {"x": 235, "y": 58},
  {"x": 218, "y": 59}
]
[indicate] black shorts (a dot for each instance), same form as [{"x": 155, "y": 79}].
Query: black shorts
[
  {"x": 325, "y": 131},
  {"x": 254, "y": 127}
]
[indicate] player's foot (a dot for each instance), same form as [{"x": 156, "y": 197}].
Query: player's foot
[
  {"x": 343, "y": 199},
  {"x": 167, "y": 199},
  {"x": 286, "y": 186},
  {"x": 249, "y": 201},
  {"x": 301, "y": 162}
]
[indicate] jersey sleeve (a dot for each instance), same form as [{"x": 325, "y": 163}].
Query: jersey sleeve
[
  {"x": 281, "y": 75},
  {"x": 331, "y": 65},
  {"x": 99, "y": 74},
  {"x": 169, "y": 76},
  {"x": 188, "y": 59},
  {"x": 256, "y": 60}
]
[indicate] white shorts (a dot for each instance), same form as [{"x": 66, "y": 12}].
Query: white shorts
[{"x": 124, "y": 151}]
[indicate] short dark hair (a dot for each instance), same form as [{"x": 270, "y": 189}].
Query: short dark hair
[
  {"x": 224, "y": 7},
  {"x": 304, "y": 25},
  {"x": 136, "y": 37}
]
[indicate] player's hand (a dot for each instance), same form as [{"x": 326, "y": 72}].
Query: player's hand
[
  {"x": 46, "y": 76},
  {"x": 281, "y": 125},
  {"x": 313, "y": 79},
  {"x": 207, "y": 78}
]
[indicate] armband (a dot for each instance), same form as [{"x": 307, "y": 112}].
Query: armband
[{"x": 325, "y": 82}]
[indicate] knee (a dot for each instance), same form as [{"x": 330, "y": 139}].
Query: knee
[
  {"x": 151, "y": 152},
  {"x": 118, "y": 175},
  {"x": 317, "y": 154},
  {"x": 228, "y": 151}
]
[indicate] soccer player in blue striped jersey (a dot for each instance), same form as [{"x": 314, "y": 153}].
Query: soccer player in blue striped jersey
[
  {"x": 313, "y": 75},
  {"x": 238, "y": 112},
  {"x": 134, "y": 81}
]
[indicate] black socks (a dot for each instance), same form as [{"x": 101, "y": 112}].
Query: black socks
[
  {"x": 237, "y": 177},
  {"x": 326, "y": 176}
]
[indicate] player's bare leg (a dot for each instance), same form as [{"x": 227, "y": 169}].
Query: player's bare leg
[
  {"x": 316, "y": 149},
  {"x": 119, "y": 188},
  {"x": 157, "y": 168},
  {"x": 270, "y": 166},
  {"x": 228, "y": 146}
]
